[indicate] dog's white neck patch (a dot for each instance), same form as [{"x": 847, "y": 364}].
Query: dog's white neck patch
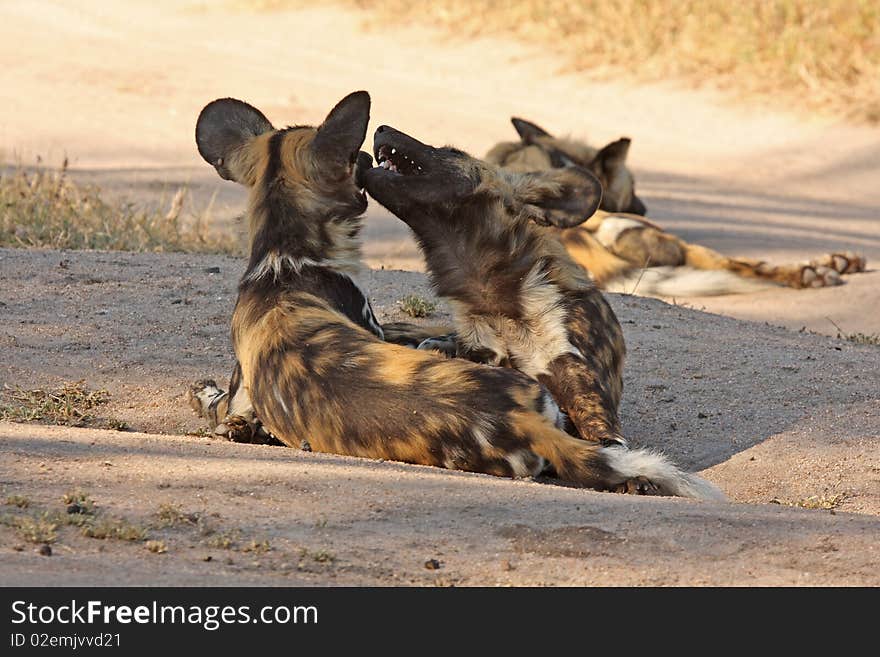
[{"x": 274, "y": 264}]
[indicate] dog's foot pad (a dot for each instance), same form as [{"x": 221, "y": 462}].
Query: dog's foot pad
[
  {"x": 637, "y": 486},
  {"x": 816, "y": 275},
  {"x": 846, "y": 262}
]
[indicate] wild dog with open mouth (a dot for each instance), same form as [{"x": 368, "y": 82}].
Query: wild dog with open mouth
[
  {"x": 624, "y": 252},
  {"x": 312, "y": 362},
  {"x": 518, "y": 299}
]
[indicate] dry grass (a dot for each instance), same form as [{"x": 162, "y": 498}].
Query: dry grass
[
  {"x": 861, "y": 338},
  {"x": 45, "y": 208},
  {"x": 71, "y": 404},
  {"x": 856, "y": 338},
  {"x": 827, "y": 502},
  {"x": 106, "y": 528},
  {"x": 816, "y": 54},
  {"x": 18, "y": 500},
  {"x": 171, "y": 515},
  {"x": 78, "y": 502},
  {"x": 42, "y": 525},
  {"x": 416, "y": 306},
  {"x": 227, "y": 540},
  {"x": 39, "y": 528}
]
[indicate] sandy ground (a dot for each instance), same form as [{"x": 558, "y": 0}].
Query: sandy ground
[{"x": 774, "y": 417}]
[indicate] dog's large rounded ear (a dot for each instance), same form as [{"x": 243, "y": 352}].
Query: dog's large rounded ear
[
  {"x": 224, "y": 126},
  {"x": 561, "y": 197},
  {"x": 528, "y": 131},
  {"x": 340, "y": 136},
  {"x": 611, "y": 157}
]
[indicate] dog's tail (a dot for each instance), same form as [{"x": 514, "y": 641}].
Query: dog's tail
[
  {"x": 590, "y": 464},
  {"x": 683, "y": 282}
]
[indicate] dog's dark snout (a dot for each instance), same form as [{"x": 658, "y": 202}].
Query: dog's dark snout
[{"x": 381, "y": 128}]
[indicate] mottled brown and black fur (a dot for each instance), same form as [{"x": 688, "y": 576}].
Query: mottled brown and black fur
[
  {"x": 518, "y": 299},
  {"x": 624, "y": 252},
  {"x": 313, "y": 365}
]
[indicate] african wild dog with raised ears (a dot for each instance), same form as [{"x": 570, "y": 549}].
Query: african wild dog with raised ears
[
  {"x": 623, "y": 252},
  {"x": 312, "y": 360},
  {"x": 518, "y": 300}
]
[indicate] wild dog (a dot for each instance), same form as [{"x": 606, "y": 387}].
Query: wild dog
[
  {"x": 312, "y": 361},
  {"x": 624, "y": 252},
  {"x": 518, "y": 300},
  {"x": 537, "y": 150}
]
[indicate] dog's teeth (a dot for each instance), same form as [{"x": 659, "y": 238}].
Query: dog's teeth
[{"x": 393, "y": 151}]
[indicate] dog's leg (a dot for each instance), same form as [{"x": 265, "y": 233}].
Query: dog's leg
[
  {"x": 589, "y": 253},
  {"x": 240, "y": 424},
  {"x": 412, "y": 335},
  {"x": 804, "y": 275},
  {"x": 208, "y": 401},
  {"x": 445, "y": 345},
  {"x": 230, "y": 414},
  {"x": 581, "y": 396},
  {"x": 632, "y": 243}
]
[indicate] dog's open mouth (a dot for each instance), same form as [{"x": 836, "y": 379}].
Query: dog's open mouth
[{"x": 392, "y": 158}]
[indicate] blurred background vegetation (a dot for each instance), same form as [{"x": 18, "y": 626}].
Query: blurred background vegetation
[
  {"x": 820, "y": 55},
  {"x": 44, "y": 207}
]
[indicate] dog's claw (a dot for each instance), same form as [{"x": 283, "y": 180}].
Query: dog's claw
[
  {"x": 637, "y": 486},
  {"x": 235, "y": 429}
]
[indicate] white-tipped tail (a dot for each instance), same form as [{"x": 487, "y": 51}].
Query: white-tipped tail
[
  {"x": 657, "y": 469},
  {"x": 683, "y": 282}
]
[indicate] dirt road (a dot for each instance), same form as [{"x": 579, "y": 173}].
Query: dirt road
[
  {"x": 775, "y": 418},
  {"x": 780, "y": 420}
]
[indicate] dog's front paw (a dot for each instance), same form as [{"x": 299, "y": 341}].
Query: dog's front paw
[
  {"x": 445, "y": 345},
  {"x": 236, "y": 429}
]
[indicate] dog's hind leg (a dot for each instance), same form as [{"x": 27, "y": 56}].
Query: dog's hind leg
[
  {"x": 208, "y": 401},
  {"x": 823, "y": 272}
]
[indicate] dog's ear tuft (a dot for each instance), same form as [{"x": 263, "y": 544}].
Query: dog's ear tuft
[
  {"x": 341, "y": 134},
  {"x": 612, "y": 156},
  {"x": 528, "y": 131},
  {"x": 561, "y": 197},
  {"x": 223, "y": 127}
]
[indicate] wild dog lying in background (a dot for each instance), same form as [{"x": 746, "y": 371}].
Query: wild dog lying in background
[
  {"x": 312, "y": 362},
  {"x": 624, "y": 252},
  {"x": 518, "y": 300}
]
